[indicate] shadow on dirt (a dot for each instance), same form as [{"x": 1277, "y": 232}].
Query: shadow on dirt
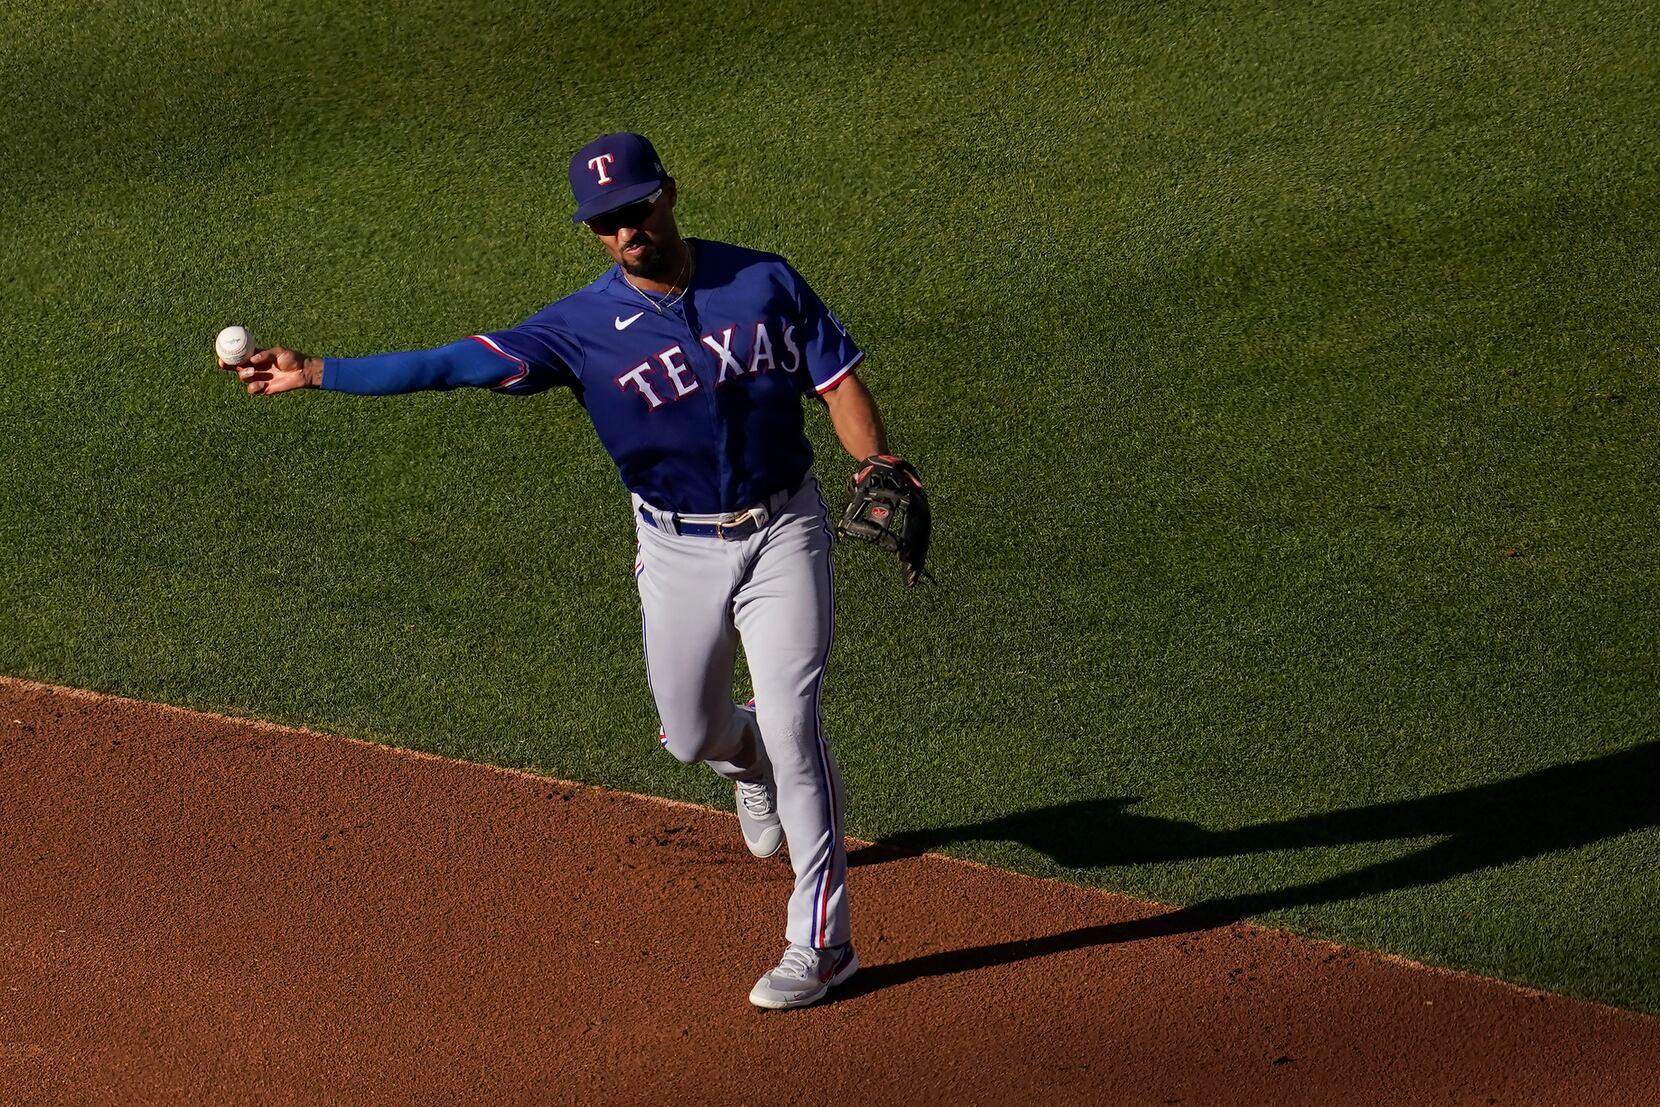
[{"x": 1562, "y": 807}]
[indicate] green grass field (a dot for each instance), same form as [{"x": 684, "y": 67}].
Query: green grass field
[{"x": 1283, "y": 376}]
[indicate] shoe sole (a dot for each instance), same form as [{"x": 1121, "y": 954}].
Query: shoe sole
[{"x": 767, "y": 1003}]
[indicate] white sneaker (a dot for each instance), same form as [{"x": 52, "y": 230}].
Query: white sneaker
[
  {"x": 758, "y": 817},
  {"x": 804, "y": 976}
]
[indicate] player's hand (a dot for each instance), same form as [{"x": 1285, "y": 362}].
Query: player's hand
[{"x": 277, "y": 369}]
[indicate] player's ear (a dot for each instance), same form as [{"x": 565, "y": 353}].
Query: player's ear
[{"x": 670, "y": 191}]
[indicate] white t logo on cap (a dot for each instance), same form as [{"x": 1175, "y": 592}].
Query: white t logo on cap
[{"x": 598, "y": 165}]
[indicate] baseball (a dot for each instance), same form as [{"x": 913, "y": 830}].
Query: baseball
[{"x": 233, "y": 345}]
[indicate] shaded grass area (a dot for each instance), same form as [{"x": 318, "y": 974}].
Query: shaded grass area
[{"x": 1283, "y": 380}]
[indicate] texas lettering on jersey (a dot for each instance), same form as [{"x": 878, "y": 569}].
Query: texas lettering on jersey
[
  {"x": 697, "y": 398},
  {"x": 672, "y": 363}
]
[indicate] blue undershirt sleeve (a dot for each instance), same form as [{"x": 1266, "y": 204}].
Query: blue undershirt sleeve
[{"x": 473, "y": 362}]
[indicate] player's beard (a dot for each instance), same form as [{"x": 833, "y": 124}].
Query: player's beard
[{"x": 654, "y": 262}]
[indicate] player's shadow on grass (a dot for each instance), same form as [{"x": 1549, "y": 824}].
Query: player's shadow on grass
[{"x": 1562, "y": 807}]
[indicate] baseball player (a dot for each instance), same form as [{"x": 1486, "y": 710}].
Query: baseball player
[{"x": 692, "y": 358}]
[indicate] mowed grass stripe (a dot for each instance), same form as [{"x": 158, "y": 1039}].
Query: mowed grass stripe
[{"x": 1238, "y": 345}]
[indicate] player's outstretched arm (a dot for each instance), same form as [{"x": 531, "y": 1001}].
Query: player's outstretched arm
[
  {"x": 857, "y": 421},
  {"x": 474, "y": 362}
]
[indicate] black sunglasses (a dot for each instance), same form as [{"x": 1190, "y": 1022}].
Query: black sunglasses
[{"x": 629, "y": 215}]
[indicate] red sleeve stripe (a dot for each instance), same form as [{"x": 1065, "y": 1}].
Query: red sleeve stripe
[
  {"x": 837, "y": 379},
  {"x": 514, "y": 378}
]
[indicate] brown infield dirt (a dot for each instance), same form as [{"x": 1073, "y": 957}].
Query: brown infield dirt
[{"x": 196, "y": 909}]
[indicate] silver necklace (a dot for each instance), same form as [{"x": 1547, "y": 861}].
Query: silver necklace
[{"x": 685, "y": 283}]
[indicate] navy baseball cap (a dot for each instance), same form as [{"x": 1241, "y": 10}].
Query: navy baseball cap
[{"x": 613, "y": 171}]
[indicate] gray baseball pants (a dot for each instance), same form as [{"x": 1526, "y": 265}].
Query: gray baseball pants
[{"x": 699, "y": 598}]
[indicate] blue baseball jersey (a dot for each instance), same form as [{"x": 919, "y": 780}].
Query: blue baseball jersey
[{"x": 696, "y": 399}]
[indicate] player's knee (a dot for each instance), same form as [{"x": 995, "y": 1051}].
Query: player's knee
[
  {"x": 686, "y": 755},
  {"x": 690, "y": 743}
]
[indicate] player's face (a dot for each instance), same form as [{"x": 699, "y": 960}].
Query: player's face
[{"x": 642, "y": 237}]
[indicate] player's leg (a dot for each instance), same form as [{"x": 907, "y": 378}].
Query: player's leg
[
  {"x": 784, "y": 612},
  {"x": 691, "y": 645}
]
